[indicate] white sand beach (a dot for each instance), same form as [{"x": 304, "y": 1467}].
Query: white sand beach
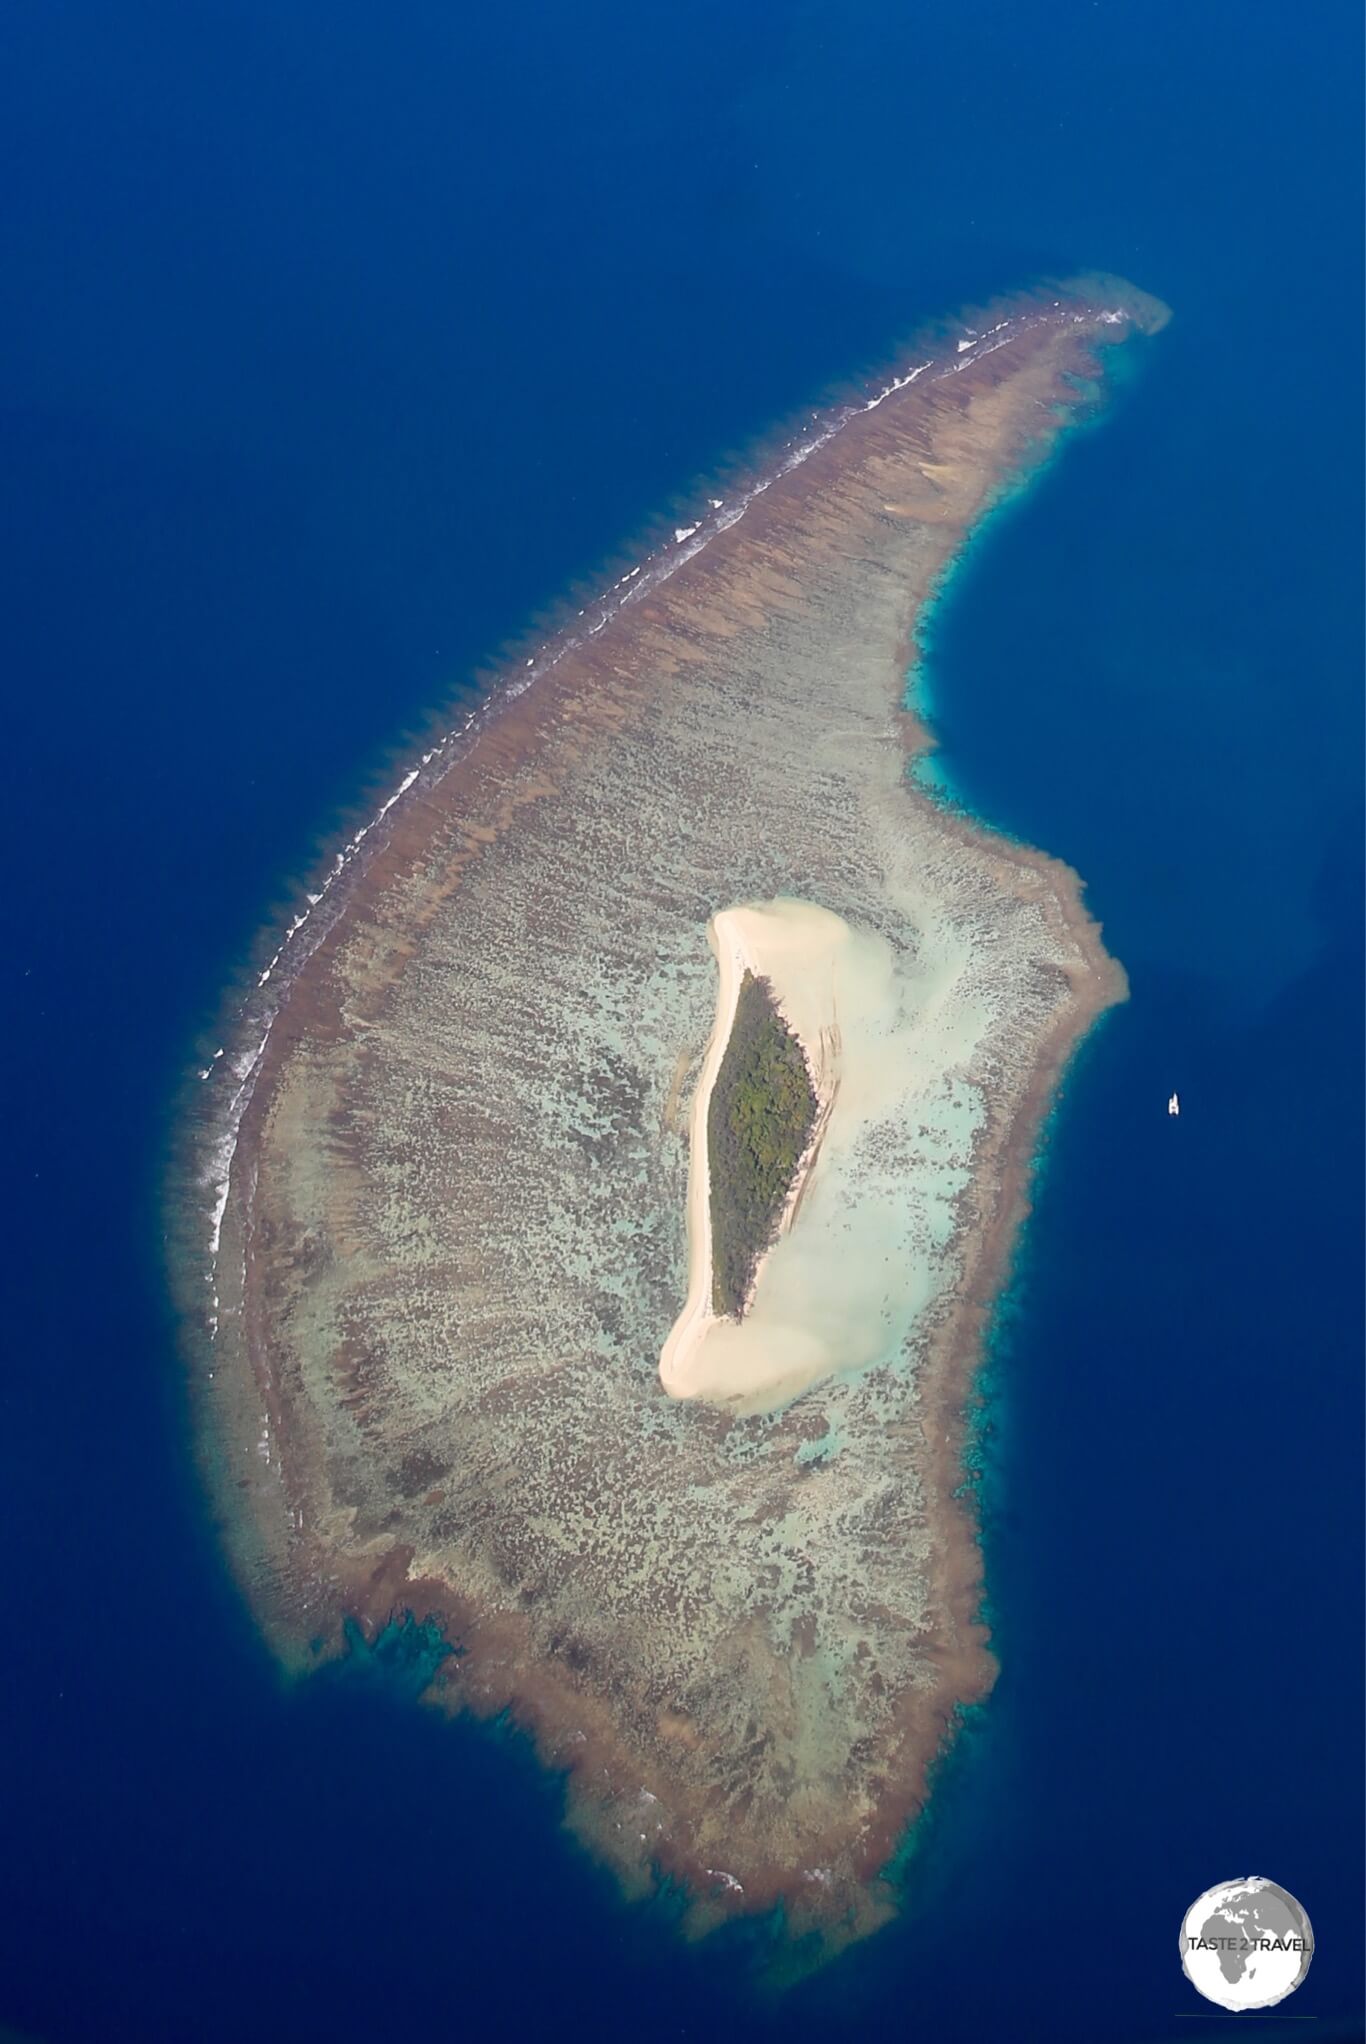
[
  {"x": 889, "y": 1038},
  {"x": 792, "y": 945}
]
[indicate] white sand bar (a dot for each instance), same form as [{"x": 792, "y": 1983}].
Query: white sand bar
[{"x": 890, "y": 1035}]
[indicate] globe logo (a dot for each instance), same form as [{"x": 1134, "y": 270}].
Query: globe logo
[{"x": 1246, "y": 1944}]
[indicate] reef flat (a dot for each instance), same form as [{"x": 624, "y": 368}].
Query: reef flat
[{"x": 434, "y": 1234}]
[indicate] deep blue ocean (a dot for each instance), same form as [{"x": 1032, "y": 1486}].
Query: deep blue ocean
[{"x": 335, "y": 343}]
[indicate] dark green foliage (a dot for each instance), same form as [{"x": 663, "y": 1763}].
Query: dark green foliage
[{"x": 759, "y": 1121}]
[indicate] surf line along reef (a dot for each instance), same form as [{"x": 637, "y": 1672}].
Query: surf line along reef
[{"x": 443, "y": 1228}]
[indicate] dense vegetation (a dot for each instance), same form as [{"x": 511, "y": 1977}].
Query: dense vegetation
[{"x": 759, "y": 1121}]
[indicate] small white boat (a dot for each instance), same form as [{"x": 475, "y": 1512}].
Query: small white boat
[{"x": 1174, "y": 1104}]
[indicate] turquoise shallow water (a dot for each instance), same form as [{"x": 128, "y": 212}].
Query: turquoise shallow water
[{"x": 330, "y": 356}]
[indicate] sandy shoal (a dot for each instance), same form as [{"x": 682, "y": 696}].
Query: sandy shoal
[{"x": 859, "y": 1253}]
